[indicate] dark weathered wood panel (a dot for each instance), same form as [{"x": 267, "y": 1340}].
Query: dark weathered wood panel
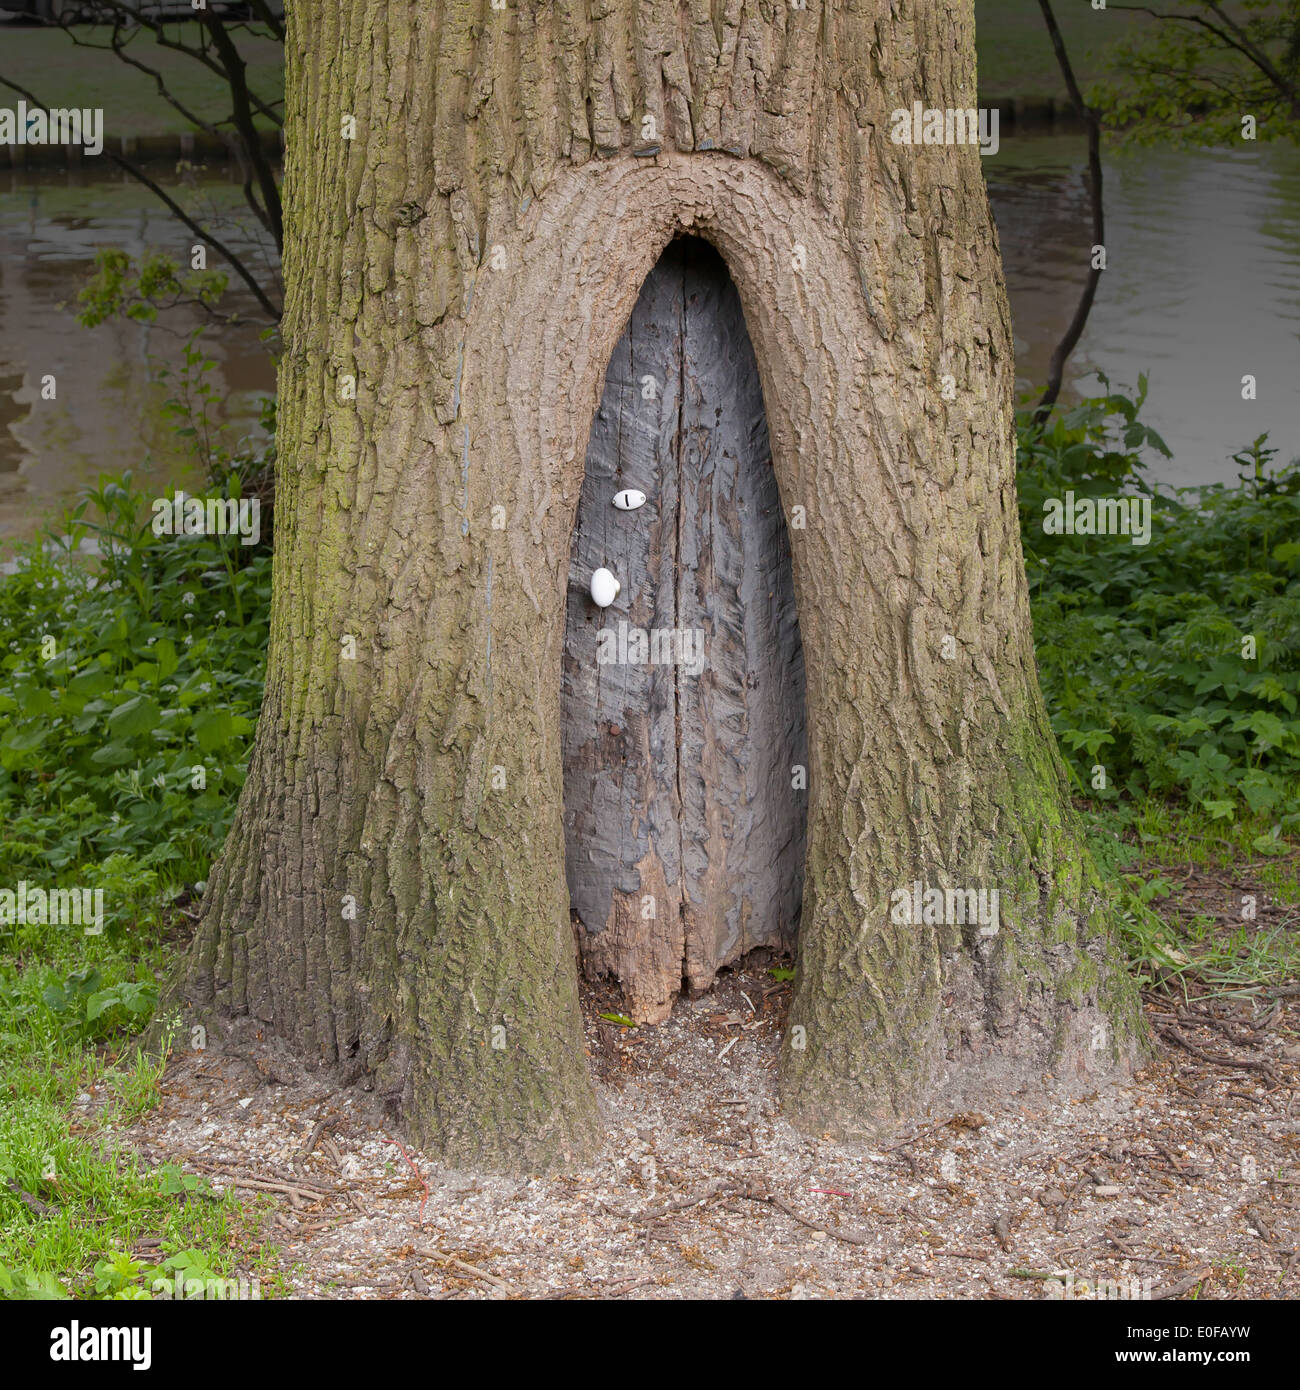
[
  {"x": 684, "y": 836},
  {"x": 621, "y": 801},
  {"x": 741, "y": 719}
]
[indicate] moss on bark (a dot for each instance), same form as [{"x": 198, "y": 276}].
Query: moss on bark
[{"x": 470, "y": 209}]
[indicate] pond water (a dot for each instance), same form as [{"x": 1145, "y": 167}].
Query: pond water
[
  {"x": 1202, "y": 287},
  {"x": 106, "y": 412}
]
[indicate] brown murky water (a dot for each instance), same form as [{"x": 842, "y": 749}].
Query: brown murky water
[
  {"x": 1203, "y": 287},
  {"x": 105, "y": 415}
]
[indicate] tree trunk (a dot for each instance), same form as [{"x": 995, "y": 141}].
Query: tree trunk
[{"x": 474, "y": 198}]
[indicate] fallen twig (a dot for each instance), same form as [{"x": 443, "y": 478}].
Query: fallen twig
[
  {"x": 424, "y": 1199},
  {"x": 848, "y": 1237},
  {"x": 1182, "y": 1286},
  {"x": 1244, "y": 1063}
]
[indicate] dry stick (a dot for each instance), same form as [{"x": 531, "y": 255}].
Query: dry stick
[
  {"x": 848, "y": 1237},
  {"x": 920, "y": 1134},
  {"x": 479, "y": 1273},
  {"x": 1245, "y": 1095},
  {"x": 416, "y": 1171},
  {"x": 1242, "y": 1063},
  {"x": 33, "y": 1204},
  {"x": 1001, "y": 1228},
  {"x": 1182, "y": 1286},
  {"x": 1258, "y": 1220},
  {"x": 619, "y": 1289},
  {"x": 235, "y": 1176},
  {"x": 331, "y": 1150},
  {"x": 325, "y": 1122},
  {"x": 1232, "y": 1027},
  {"x": 1174, "y": 1163},
  {"x": 593, "y": 1290},
  {"x": 296, "y": 1195},
  {"x": 445, "y": 1257},
  {"x": 720, "y": 1188}
]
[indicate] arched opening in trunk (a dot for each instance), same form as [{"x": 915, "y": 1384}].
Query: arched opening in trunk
[{"x": 683, "y": 726}]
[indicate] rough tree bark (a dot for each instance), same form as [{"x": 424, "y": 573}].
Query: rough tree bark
[{"x": 392, "y": 893}]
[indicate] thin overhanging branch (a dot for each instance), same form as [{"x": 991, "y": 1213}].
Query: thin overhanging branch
[
  {"x": 1256, "y": 55},
  {"x": 1232, "y": 37},
  {"x": 1056, "y": 368},
  {"x": 267, "y": 16},
  {"x": 130, "y": 167},
  {"x": 117, "y": 46},
  {"x": 254, "y": 163},
  {"x": 199, "y": 54},
  {"x": 236, "y": 77}
]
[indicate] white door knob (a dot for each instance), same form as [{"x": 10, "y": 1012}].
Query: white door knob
[{"x": 604, "y": 588}]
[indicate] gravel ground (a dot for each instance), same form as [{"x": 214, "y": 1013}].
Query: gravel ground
[{"x": 1181, "y": 1183}]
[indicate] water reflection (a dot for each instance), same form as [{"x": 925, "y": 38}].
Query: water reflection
[
  {"x": 105, "y": 412},
  {"x": 1202, "y": 287}
]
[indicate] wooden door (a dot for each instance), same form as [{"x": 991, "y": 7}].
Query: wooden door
[{"x": 684, "y": 739}]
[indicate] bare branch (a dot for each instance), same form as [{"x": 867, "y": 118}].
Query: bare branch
[
  {"x": 1257, "y": 56},
  {"x": 236, "y": 77},
  {"x": 130, "y": 167},
  {"x": 267, "y": 17},
  {"x": 118, "y": 47},
  {"x": 199, "y": 54}
]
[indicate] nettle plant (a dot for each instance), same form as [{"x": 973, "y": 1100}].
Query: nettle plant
[
  {"x": 129, "y": 692},
  {"x": 1172, "y": 668}
]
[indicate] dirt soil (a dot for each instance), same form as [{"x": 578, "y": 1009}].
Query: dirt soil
[{"x": 1181, "y": 1183}]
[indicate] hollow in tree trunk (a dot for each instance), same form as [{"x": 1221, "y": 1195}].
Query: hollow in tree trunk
[{"x": 474, "y": 198}]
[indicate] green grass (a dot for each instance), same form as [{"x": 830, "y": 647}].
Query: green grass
[
  {"x": 1145, "y": 846},
  {"x": 128, "y": 696},
  {"x": 98, "y": 1203},
  {"x": 62, "y": 74}
]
